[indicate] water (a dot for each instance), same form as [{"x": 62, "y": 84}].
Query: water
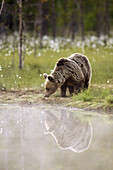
[{"x": 54, "y": 138}]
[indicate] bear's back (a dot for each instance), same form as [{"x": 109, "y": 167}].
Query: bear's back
[
  {"x": 80, "y": 60},
  {"x": 83, "y": 62}
]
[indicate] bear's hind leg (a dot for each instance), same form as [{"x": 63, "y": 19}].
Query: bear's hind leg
[
  {"x": 63, "y": 90},
  {"x": 77, "y": 89},
  {"x": 86, "y": 85},
  {"x": 71, "y": 89}
]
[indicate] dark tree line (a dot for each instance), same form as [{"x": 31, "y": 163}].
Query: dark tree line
[
  {"x": 59, "y": 17},
  {"x": 55, "y": 18}
]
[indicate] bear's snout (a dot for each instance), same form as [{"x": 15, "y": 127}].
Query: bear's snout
[{"x": 46, "y": 95}]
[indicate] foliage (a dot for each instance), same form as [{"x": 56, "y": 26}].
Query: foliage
[
  {"x": 65, "y": 12},
  {"x": 109, "y": 99},
  {"x": 95, "y": 93},
  {"x": 84, "y": 96}
]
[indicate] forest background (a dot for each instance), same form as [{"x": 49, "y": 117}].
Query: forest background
[{"x": 59, "y": 17}]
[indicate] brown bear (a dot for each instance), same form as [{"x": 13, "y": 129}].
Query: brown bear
[{"x": 73, "y": 73}]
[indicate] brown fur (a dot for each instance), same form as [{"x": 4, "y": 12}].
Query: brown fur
[{"x": 73, "y": 72}]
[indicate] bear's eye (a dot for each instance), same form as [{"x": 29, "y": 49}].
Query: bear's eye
[{"x": 47, "y": 89}]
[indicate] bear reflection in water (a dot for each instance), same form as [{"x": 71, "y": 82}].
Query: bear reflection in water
[{"x": 69, "y": 132}]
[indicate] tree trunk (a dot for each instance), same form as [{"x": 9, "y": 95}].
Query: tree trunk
[
  {"x": 53, "y": 19},
  {"x": 106, "y": 18},
  {"x": 98, "y": 30},
  {"x": 15, "y": 17},
  {"x": 2, "y": 5},
  {"x": 82, "y": 19},
  {"x": 24, "y": 42},
  {"x": 74, "y": 21},
  {"x": 40, "y": 23},
  {"x": 13, "y": 54},
  {"x": 20, "y": 34},
  {"x": 99, "y": 18},
  {"x": 72, "y": 26},
  {"x": 35, "y": 34},
  {"x": 46, "y": 13}
]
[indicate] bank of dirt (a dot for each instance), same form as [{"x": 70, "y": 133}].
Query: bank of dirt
[
  {"x": 36, "y": 97},
  {"x": 30, "y": 97}
]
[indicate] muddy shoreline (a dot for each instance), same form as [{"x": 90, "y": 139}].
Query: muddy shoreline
[{"x": 35, "y": 97}]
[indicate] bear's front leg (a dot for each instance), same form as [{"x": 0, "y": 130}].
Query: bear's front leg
[
  {"x": 63, "y": 90},
  {"x": 71, "y": 89}
]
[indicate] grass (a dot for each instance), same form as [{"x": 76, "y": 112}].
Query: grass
[
  {"x": 34, "y": 67},
  {"x": 95, "y": 93},
  {"x": 31, "y": 76},
  {"x": 109, "y": 99},
  {"x": 96, "y": 97}
]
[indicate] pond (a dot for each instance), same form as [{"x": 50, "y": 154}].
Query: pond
[{"x": 45, "y": 137}]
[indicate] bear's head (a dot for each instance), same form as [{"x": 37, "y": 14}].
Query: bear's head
[{"x": 50, "y": 85}]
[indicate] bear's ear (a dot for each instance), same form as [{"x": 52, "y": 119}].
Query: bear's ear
[
  {"x": 45, "y": 75},
  {"x": 61, "y": 61},
  {"x": 51, "y": 78}
]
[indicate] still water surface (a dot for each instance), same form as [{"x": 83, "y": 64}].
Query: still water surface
[{"x": 54, "y": 138}]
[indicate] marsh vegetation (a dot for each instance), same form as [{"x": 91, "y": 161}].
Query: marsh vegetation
[{"x": 31, "y": 76}]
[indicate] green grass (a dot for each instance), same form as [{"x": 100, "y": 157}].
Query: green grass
[
  {"x": 100, "y": 94},
  {"x": 95, "y": 94},
  {"x": 84, "y": 96},
  {"x": 109, "y": 99},
  {"x": 96, "y": 97},
  {"x": 31, "y": 76}
]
